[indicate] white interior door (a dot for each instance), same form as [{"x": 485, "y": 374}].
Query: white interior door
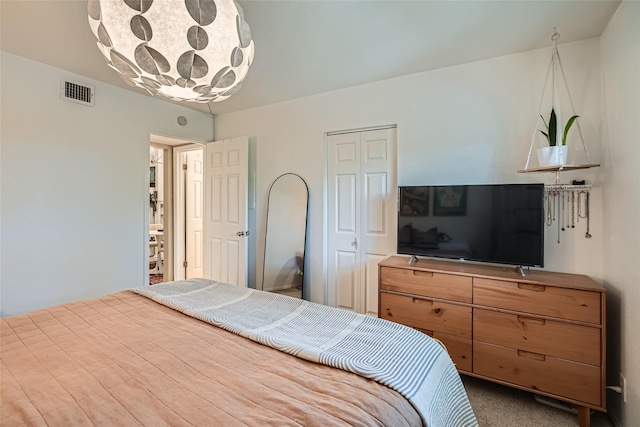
[
  {"x": 226, "y": 190},
  {"x": 343, "y": 166},
  {"x": 362, "y": 197},
  {"x": 378, "y": 210},
  {"x": 193, "y": 214}
]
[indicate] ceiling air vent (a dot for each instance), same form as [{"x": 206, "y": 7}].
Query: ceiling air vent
[{"x": 76, "y": 92}]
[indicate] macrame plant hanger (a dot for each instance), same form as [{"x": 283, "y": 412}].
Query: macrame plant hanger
[
  {"x": 555, "y": 67},
  {"x": 564, "y": 202}
]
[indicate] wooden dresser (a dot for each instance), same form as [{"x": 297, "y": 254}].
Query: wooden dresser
[{"x": 543, "y": 332}]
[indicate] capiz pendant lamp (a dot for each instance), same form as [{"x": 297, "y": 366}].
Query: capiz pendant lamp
[{"x": 186, "y": 50}]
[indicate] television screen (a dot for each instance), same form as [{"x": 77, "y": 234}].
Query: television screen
[{"x": 497, "y": 223}]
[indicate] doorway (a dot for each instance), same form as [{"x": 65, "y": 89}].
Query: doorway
[
  {"x": 184, "y": 209},
  {"x": 166, "y": 251},
  {"x": 159, "y": 206}
]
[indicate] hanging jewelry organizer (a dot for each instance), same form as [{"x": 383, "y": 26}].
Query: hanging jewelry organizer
[{"x": 565, "y": 205}]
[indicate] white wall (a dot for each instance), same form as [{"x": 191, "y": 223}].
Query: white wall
[
  {"x": 74, "y": 181},
  {"x": 471, "y": 123},
  {"x": 621, "y": 111}
]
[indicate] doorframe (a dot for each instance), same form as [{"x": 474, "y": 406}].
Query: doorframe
[
  {"x": 167, "y": 144},
  {"x": 179, "y": 234},
  {"x": 167, "y": 196}
]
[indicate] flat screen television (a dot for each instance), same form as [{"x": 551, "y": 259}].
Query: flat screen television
[{"x": 494, "y": 223}]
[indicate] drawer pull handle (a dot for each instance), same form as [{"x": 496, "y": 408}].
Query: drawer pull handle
[
  {"x": 523, "y": 320},
  {"x": 423, "y": 273},
  {"x": 530, "y": 287},
  {"x": 421, "y": 301},
  {"x": 534, "y": 356}
]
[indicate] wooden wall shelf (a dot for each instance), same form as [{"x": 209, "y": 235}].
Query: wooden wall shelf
[{"x": 559, "y": 168}]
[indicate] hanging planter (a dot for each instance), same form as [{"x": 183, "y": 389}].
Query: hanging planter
[{"x": 554, "y": 154}]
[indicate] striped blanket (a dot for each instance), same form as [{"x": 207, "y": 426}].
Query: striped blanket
[{"x": 399, "y": 357}]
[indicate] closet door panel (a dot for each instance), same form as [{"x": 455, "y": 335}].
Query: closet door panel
[{"x": 361, "y": 209}]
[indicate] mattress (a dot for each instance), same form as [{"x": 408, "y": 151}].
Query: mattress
[{"x": 124, "y": 359}]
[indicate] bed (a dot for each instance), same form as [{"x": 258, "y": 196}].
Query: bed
[{"x": 199, "y": 352}]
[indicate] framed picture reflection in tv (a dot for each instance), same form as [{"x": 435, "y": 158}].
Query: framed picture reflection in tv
[
  {"x": 414, "y": 201},
  {"x": 450, "y": 200}
]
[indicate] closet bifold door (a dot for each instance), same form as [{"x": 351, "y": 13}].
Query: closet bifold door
[{"x": 361, "y": 210}]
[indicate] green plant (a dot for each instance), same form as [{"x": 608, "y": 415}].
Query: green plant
[{"x": 552, "y": 128}]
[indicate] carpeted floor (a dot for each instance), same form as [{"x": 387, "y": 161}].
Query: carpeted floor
[{"x": 496, "y": 405}]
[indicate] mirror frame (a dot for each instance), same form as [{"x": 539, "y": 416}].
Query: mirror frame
[{"x": 306, "y": 227}]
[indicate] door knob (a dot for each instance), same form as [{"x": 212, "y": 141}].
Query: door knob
[{"x": 355, "y": 243}]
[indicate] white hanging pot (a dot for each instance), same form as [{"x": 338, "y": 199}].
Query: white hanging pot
[{"x": 553, "y": 156}]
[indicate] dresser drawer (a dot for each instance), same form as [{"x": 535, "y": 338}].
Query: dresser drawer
[
  {"x": 558, "y": 339},
  {"x": 426, "y": 314},
  {"x": 552, "y": 301},
  {"x": 460, "y": 349},
  {"x": 427, "y": 283},
  {"x": 545, "y": 373}
]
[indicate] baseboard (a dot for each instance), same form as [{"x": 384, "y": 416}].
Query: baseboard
[
  {"x": 559, "y": 404},
  {"x": 555, "y": 403}
]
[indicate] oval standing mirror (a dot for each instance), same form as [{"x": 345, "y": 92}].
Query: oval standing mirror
[{"x": 286, "y": 233}]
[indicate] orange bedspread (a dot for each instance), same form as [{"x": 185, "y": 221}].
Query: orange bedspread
[{"x": 126, "y": 360}]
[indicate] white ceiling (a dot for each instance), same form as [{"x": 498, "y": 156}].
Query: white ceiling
[{"x": 310, "y": 47}]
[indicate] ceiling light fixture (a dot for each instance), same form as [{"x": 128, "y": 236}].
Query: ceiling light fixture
[{"x": 186, "y": 50}]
